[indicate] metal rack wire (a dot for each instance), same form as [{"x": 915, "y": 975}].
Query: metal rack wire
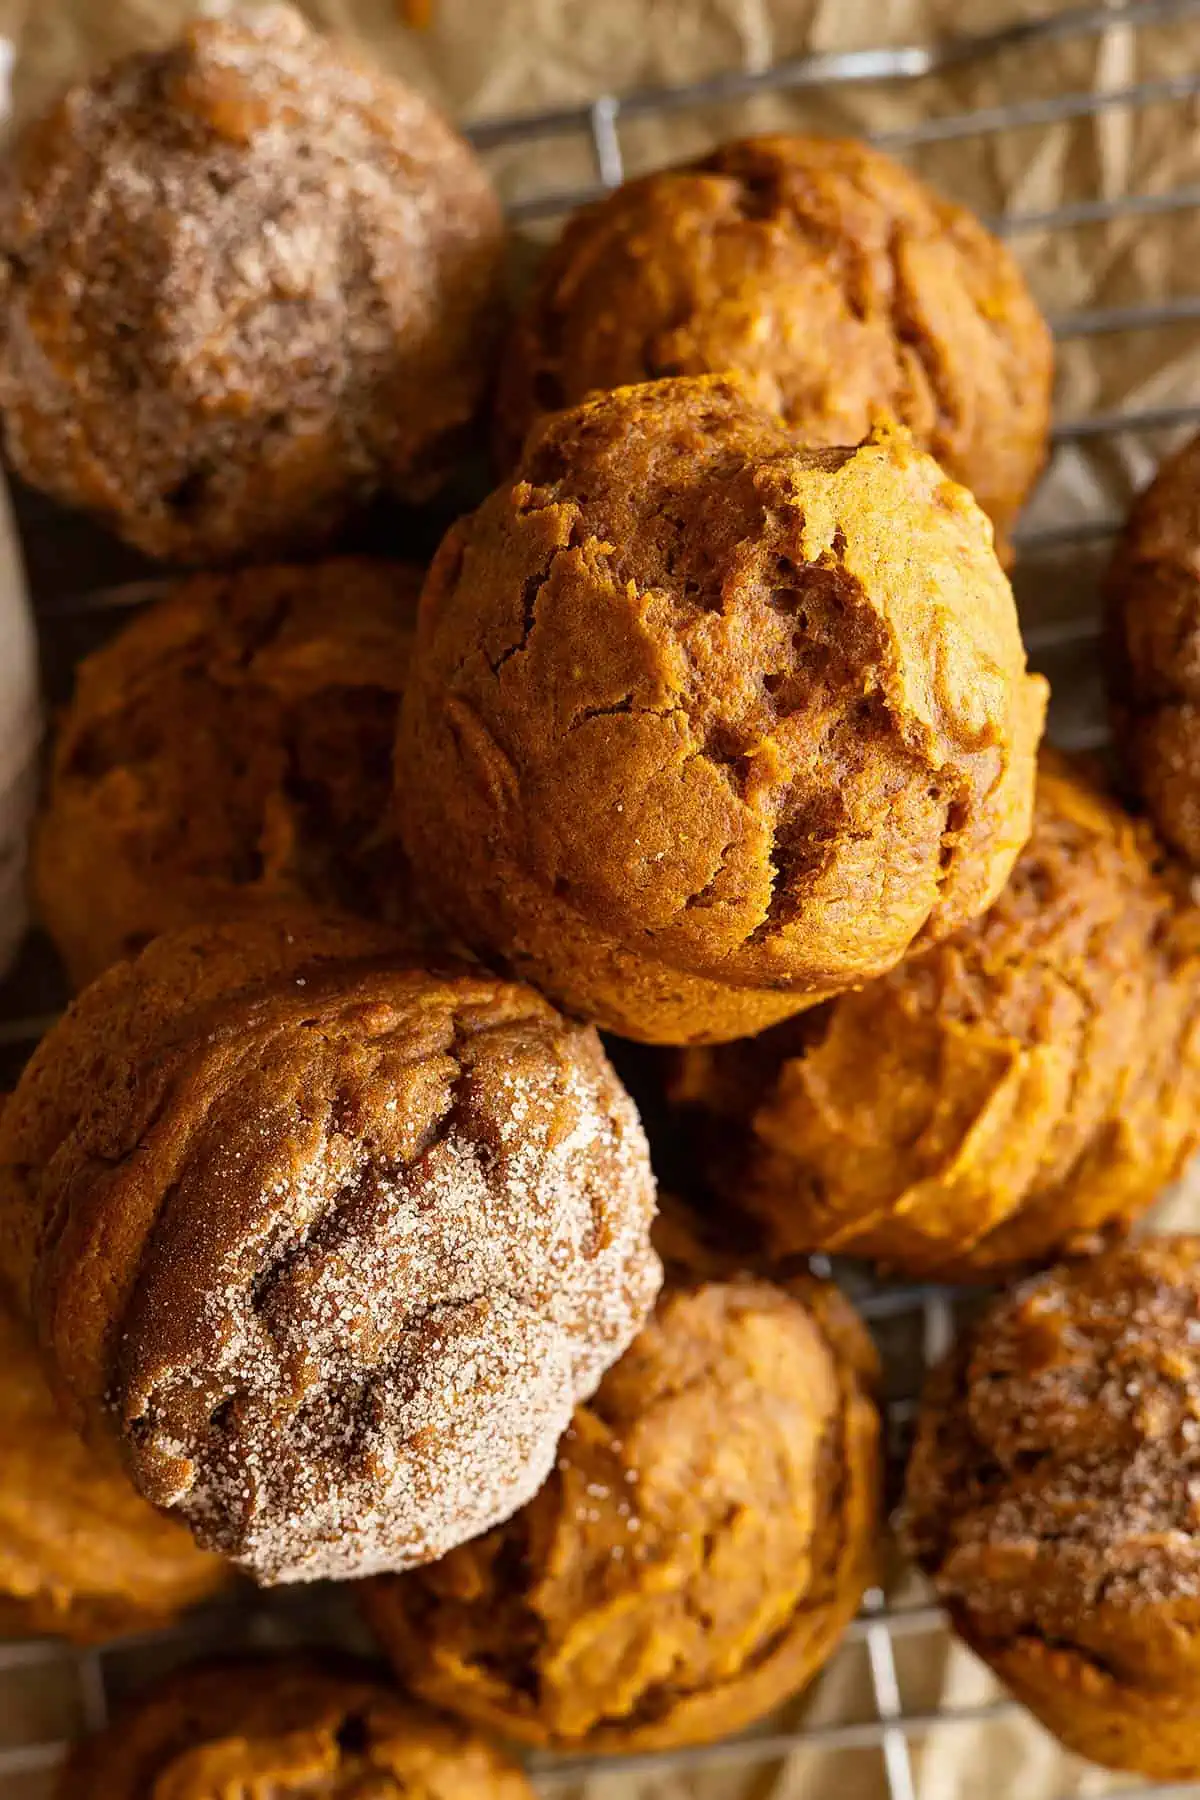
[{"x": 90, "y": 1679}]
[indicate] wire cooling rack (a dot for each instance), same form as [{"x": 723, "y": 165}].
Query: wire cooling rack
[{"x": 50, "y": 1693}]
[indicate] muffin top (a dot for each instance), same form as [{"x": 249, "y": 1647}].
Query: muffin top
[
  {"x": 295, "y": 1726},
  {"x": 706, "y": 1535},
  {"x": 1052, "y": 1490},
  {"x": 1024, "y": 1087},
  {"x": 229, "y": 750},
  {"x": 1154, "y": 649},
  {"x": 688, "y": 697},
  {"x": 246, "y": 282},
  {"x": 81, "y": 1553},
  {"x": 827, "y": 274},
  {"x": 328, "y": 1242}
]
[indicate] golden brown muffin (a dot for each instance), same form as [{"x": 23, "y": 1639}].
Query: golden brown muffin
[
  {"x": 1018, "y": 1091},
  {"x": 292, "y": 1727},
  {"x": 244, "y": 283},
  {"x": 702, "y": 726},
  {"x": 1154, "y": 649},
  {"x": 230, "y": 749},
  {"x": 80, "y": 1553},
  {"x": 1052, "y": 1498},
  {"x": 838, "y": 283},
  {"x": 705, "y": 1539},
  {"x": 329, "y": 1244}
]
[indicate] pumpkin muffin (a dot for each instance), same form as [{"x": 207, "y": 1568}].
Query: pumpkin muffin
[
  {"x": 1023, "y": 1089},
  {"x": 703, "y": 726},
  {"x": 328, "y": 1244},
  {"x": 1052, "y": 1499},
  {"x": 695, "y": 1556},
  {"x": 245, "y": 283},
  {"x": 839, "y": 284},
  {"x": 81, "y": 1555},
  {"x": 292, "y": 1727},
  {"x": 1154, "y": 649},
  {"x": 230, "y": 750}
]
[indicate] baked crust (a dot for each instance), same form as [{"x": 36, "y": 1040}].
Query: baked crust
[
  {"x": 245, "y": 283},
  {"x": 1026, "y": 1088},
  {"x": 230, "y": 750},
  {"x": 702, "y": 727},
  {"x": 834, "y": 280},
  {"x": 292, "y": 1727},
  {"x": 328, "y": 1243},
  {"x": 81, "y": 1554},
  {"x": 1052, "y": 1499},
  {"x": 693, "y": 1560},
  {"x": 1154, "y": 649}
]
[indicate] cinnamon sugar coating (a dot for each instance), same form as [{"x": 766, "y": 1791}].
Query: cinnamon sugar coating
[
  {"x": 295, "y": 1726},
  {"x": 834, "y": 280},
  {"x": 245, "y": 283},
  {"x": 704, "y": 1540},
  {"x": 1154, "y": 649},
  {"x": 229, "y": 750},
  {"x": 702, "y": 726},
  {"x": 1052, "y": 1499},
  {"x": 328, "y": 1244},
  {"x": 1023, "y": 1089},
  {"x": 81, "y": 1554}
]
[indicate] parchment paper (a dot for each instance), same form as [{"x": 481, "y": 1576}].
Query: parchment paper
[{"x": 510, "y": 56}]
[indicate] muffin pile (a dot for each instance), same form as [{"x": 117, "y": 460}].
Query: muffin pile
[{"x": 328, "y": 1235}]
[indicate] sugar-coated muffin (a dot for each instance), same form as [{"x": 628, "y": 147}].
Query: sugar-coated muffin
[
  {"x": 701, "y": 726},
  {"x": 245, "y": 283},
  {"x": 230, "y": 749},
  {"x": 292, "y": 1727},
  {"x": 1154, "y": 649},
  {"x": 839, "y": 284},
  {"x": 693, "y": 1560},
  {"x": 1052, "y": 1499},
  {"x": 327, "y": 1243},
  {"x": 1021, "y": 1090},
  {"x": 81, "y": 1554}
]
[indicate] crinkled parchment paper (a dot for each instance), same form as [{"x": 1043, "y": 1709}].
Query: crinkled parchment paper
[{"x": 488, "y": 57}]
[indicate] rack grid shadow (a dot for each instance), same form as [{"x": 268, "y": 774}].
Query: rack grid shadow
[{"x": 76, "y": 1688}]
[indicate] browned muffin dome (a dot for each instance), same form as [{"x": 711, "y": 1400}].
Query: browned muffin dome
[
  {"x": 1154, "y": 649},
  {"x": 702, "y": 1544},
  {"x": 331, "y": 1245},
  {"x": 838, "y": 283},
  {"x": 1052, "y": 1498},
  {"x": 702, "y": 726},
  {"x": 292, "y": 1727},
  {"x": 244, "y": 283},
  {"x": 80, "y": 1553},
  {"x": 230, "y": 749},
  {"x": 1017, "y": 1091}
]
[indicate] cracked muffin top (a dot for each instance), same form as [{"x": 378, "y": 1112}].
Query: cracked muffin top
[
  {"x": 292, "y": 1727},
  {"x": 1053, "y": 1493},
  {"x": 230, "y": 749},
  {"x": 1154, "y": 649},
  {"x": 81, "y": 1554},
  {"x": 835, "y": 281},
  {"x": 328, "y": 1243},
  {"x": 705, "y": 1538},
  {"x": 1018, "y": 1091},
  {"x": 702, "y": 726},
  {"x": 246, "y": 283}
]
